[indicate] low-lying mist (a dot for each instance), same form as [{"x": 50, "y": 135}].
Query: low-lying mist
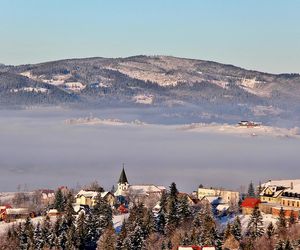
[{"x": 39, "y": 149}]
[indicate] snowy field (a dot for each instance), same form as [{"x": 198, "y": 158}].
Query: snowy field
[{"x": 39, "y": 149}]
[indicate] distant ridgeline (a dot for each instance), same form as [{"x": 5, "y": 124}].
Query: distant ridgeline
[{"x": 200, "y": 90}]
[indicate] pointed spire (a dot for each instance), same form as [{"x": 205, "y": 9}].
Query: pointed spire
[{"x": 123, "y": 178}]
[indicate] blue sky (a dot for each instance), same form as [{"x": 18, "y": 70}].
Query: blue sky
[{"x": 256, "y": 34}]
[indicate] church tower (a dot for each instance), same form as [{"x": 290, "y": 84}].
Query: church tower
[{"x": 122, "y": 184}]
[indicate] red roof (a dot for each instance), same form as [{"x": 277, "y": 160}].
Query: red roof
[{"x": 250, "y": 202}]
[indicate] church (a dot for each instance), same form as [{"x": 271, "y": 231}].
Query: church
[{"x": 138, "y": 191}]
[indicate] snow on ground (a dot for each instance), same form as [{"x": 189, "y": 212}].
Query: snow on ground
[
  {"x": 98, "y": 121},
  {"x": 143, "y": 99},
  {"x": 212, "y": 128},
  {"x": 267, "y": 218},
  {"x": 4, "y": 227},
  {"x": 74, "y": 86},
  {"x": 29, "y": 89},
  {"x": 239, "y": 130},
  {"x": 250, "y": 85},
  {"x": 119, "y": 219}
]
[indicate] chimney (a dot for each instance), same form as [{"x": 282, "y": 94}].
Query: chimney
[{"x": 292, "y": 185}]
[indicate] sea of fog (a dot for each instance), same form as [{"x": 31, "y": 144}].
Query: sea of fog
[{"x": 39, "y": 150}]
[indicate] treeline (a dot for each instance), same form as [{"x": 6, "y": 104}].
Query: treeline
[{"x": 175, "y": 223}]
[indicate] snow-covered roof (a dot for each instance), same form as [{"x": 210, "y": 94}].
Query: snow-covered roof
[
  {"x": 222, "y": 207},
  {"x": 212, "y": 199},
  {"x": 282, "y": 183},
  {"x": 145, "y": 189},
  {"x": 90, "y": 194},
  {"x": 16, "y": 211},
  {"x": 295, "y": 189},
  {"x": 277, "y": 190}
]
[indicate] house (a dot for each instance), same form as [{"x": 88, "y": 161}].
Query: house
[
  {"x": 227, "y": 196},
  {"x": 88, "y": 198},
  {"x": 192, "y": 201},
  {"x": 249, "y": 204},
  {"x": 273, "y": 190},
  {"x": 248, "y": 124},
  {"x": 3, "y": 211},
  {"x": 291, "y": 196},
  {"x": 12, "y": 214},
  {"x": 47, "y": 196}
]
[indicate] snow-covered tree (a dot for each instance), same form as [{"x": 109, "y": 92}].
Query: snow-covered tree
[
  {"x": 270, "y": 230},
  {"x": 59, "y": 201},
  {"x": 236, "y": 229},
  {"x": 38, "y": 237},
  {"x": 184, "y": 212},
  {"x": 107, "y": 240},
  {"x": 46, "y": 231},
  {"x": 255, "y": 228}
]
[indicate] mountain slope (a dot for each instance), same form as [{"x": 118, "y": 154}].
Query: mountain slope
[{"x": 203, "y": 88}]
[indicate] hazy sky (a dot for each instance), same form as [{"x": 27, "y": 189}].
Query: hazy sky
[{"x": 263, "y": 35}]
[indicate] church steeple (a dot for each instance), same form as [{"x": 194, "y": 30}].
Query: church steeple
[
  {"x": 123, "y": 184},
  {"x": 123, "y": 177}
]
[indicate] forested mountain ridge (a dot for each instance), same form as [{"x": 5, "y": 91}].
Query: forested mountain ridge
[{"x": 210, "y": 90}]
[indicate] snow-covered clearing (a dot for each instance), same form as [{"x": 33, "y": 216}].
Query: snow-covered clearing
[
  {"x": 240, "y": 130},
  {"x": 29, "y": 89},
  {"x": 143, "y": 99},
  {"x": 98, "y": 121}
]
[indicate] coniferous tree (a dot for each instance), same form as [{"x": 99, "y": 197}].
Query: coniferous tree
[
  {"x": 148, "y": 224},
  {"x": 102, "y": 213},
  {"x": 69, "y": 210},
  {"x": 80, "y": 231},
  {"x": 135, "y": 239},
  {"x": 227, "y": 231},
  {"x": 279, "y": 245},
  {"x": 292, "y": 219},
  {"x": 251, "y": 190},
  {"x": 185, "y": 240},
  {"x": 255, "y": 228},
  {"x": 38, "y": 238},
  {"x": 121, "y": 237},
  {"x": 259, "y": 189},
  {"x": 46, "y": 231},
  {"x": 237, "y": 229},
  {"x": 281, "y": 222},
  {"x": 63, "y": 239},
  {"x": 288, "y": 245},
  {"x": 91, "y": 232},
  {"x": 160, "y": 223},
  {"x": 270, "y": 230},
  {"x": 59, "y": 201},
  {"x": 170, "y": 245},
  {"x": 184, "y": 212},
  {"x": 24, "y": 241},
  {"x": 107, "y": 240}
]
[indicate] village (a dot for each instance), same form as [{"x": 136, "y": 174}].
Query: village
[{"x": 273, "y": 200}]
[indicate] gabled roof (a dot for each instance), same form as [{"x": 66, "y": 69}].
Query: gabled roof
[
  {"x": 250, "y": 202},
  {"x": 123, "y": 177}
]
